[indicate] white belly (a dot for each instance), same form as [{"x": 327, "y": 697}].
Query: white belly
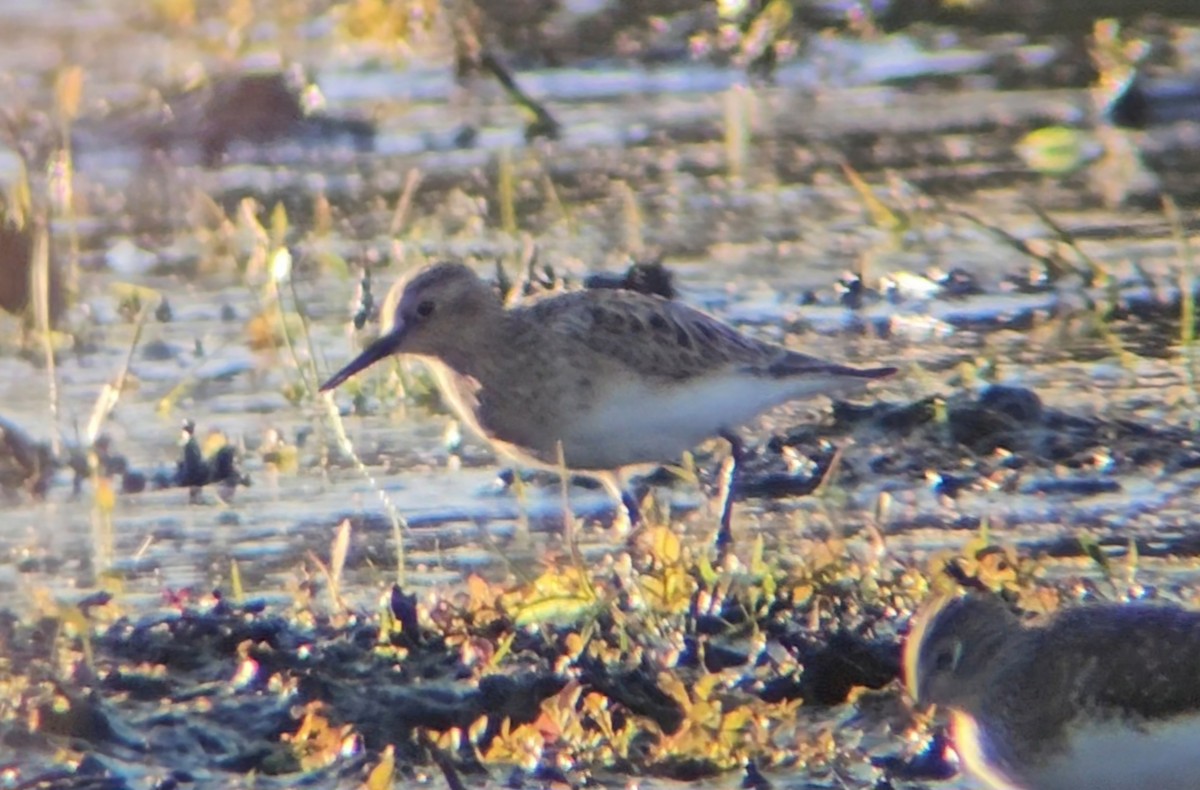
[
  {"x": 1163, "y": 757},
  {"x": 640, "y": 424},
  {"x": 1109, "y": 756}
]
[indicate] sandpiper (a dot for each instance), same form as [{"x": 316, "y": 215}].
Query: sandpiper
[
  {"x": 617, "y": 378},
  {"x": 1096, "y": 696}
]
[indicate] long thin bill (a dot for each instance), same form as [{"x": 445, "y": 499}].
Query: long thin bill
[{"x": 382, "y": 348}]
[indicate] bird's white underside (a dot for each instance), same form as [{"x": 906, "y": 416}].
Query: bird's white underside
[
  {"x": 1104, "y": 756},
  {"x": 660, "y": 423}
]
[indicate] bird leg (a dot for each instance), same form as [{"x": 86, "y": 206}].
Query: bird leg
[
  {"x": 632, "y": 512},
  {"x": 727, "y": 479}
]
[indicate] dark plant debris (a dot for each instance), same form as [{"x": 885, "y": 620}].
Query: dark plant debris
[
  {"x": 28, "y": 466},
  {"x": 255, "y": 109},
  {"x": 16, "y": 260},
  {"x": 554, "y": 679}
]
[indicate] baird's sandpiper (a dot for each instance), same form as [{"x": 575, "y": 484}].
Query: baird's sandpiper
[
  {"x": 617, "y": 378},
  {"x": 1101, "y": 696}
]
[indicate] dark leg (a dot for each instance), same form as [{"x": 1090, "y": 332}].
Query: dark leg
[
  {"x": 727, "y": 481},
  {"x": 631, "y": 507}
]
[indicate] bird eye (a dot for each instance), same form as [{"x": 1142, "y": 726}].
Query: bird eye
[
  {"x": 948, "y": 657},
  {"x": 425, "y": 309}
]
